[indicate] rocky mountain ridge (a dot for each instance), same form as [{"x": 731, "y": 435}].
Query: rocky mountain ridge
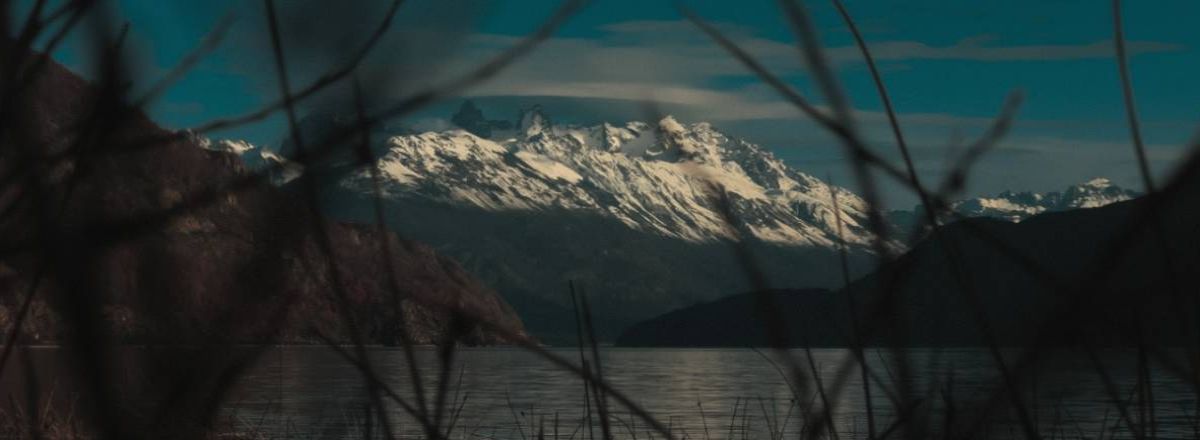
[{"x": 661, "y": 177}]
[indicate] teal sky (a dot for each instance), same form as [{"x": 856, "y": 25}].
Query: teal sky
[{"x": 948, "y": 65}]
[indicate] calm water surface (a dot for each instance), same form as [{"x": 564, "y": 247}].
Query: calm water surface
[{"x": 311, "y": 392}]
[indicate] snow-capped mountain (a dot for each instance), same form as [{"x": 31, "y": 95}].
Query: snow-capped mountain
[
  {"x": 1017, "y": 206},
  {"x": 254, "y": 157},
  {"x": 655, "y": 177},
  {"x": 630, "y": 211}
]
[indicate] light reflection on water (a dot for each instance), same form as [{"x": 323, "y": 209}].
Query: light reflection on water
[
  {"x": 704, "y": 393},
  {"x": 508, "y": 393}
]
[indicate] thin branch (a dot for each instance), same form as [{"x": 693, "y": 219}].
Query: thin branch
[
  {"x": 1127, "y": 93},
  {"x": 886, "y": 99}
]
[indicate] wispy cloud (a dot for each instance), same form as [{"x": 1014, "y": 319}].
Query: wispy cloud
[
  {"x": 712, "y": 105},
  {"x": 969, "y": 48},
  {"x": 671, "y": 63}
]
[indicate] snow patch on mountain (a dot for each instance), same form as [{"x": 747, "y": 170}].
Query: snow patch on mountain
[
  {"x": 548, "y": 168},
  {"x": 280, "y": 169},
  {"x": 285, "y": 170},
  {"x": 237, "y": 147}
]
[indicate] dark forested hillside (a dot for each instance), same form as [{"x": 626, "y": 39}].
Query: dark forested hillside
[
  {"x": 171, "y": 242},
  {"x": 1101, "y": 276}
]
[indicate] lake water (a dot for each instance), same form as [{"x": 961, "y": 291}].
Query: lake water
[{"x": 508, "y": 393}]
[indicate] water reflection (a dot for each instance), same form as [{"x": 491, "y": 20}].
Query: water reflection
[{"x": 311, "y": 392}]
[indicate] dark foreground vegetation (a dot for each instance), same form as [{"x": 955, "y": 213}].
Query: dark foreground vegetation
[{"x": 111, "y": 228}]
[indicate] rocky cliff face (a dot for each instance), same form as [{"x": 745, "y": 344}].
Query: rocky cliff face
[{"x": 120, "y": 228}]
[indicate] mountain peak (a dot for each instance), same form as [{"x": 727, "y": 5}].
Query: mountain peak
[
  {"x": 696, "y": 143},
  {"x": 471, "y": 118},
  {"x": 1094, "y": 193},
  {"x": 532, "y": 121},
  {"x": 668, "y": 123},
  {"x": 1099, "y": 182}
]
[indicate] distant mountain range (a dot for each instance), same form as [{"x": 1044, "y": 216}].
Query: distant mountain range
[
  {"x": 628, "y": 211},
  {"x": 1017, "y": 206}
]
